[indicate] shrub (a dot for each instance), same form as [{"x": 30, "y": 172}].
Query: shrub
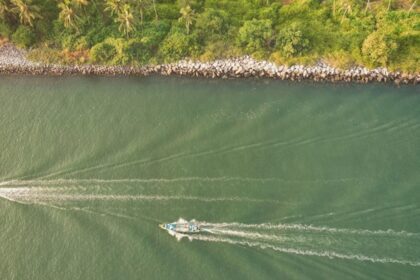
[
  {"x": 5, "y": 30},
  {"x": 215, "y": 50},
  {"x": 271, "y": 12},
  {"x": 136, "y": 51},
  {"x": 100, "y": 33},
  {"x": 178, "y": 45},
  {"x": 122, "y": 52},
  {"x": 23, "y": 36},
  {"x": 168, "y": 11},
  {"x": 45, "y": 55},
  {"x": 378, "y": 49},
  {"x": 278, "y": 58},
  {"x": 103, "y": 52},
  {"x": 155, "y": 33},
  {"x": 74, "y": 57},
  {"x": 340, "y": 59},
  {"x": 81, "y": 43},
  {"x": 211, "y": 22},
  {"x": 68, "y": 41},
  {"x": 255, "y": 35},
  {"x": 291, "y": 42},
  {"x": 260, "y": 55}
]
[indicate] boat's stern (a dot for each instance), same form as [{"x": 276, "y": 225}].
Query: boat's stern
[{"x": 168, "y": 226}]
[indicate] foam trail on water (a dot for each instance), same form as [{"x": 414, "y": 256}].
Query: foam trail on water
[
  {"x": 351, "y": 244},
  {"x": 162, "y": 180},
  {"x": 256, "y": 235},
  {"x": 311, "y": 228},
  {"x": 328, "y": 254},
  {"x": 150, "y": 180},
  {"x": 44, "y": 194},
  {"x": 7, "y": 183}
]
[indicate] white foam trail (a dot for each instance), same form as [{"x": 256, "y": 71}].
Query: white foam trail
[
  {"x": 42, "y": 194},
  {"x": 311, "y": 228},
  {"x": 139, "y": 180},
  {"x": 7, "y": 183},
  {"x": 328, "y": 254},
  {"x": 161, "y": 180},
  {"x": 256, "y": 235}
]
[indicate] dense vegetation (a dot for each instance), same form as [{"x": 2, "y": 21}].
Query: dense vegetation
[{"x": 342, "y": 32}]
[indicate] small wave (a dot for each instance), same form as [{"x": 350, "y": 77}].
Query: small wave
[
  {"x": 328, "y": 254},
  {"x": 223, "y": 179},
  {"x": 42, "y": 194},
  {"x": 303, "y": 227},
  {"x": 151, "y": 180},
  {"x": 256, "y": 235}
]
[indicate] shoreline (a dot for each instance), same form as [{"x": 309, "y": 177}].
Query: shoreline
[{"x": 13, "y": 62}]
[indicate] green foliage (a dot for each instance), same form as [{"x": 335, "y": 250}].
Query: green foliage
[
  {"x": 134, "y": 51},
  {"x": 342, "y": 32},
  {"x": 117, "y": 51},
  {"x": 167, "y": 11},
  {"x": 219, "y": 49},
  {"x": 24, "y": 36},
  {"x": 178, "y": 45},
  {"x": 99, "y": 34},
  {"x": 340, "y": 59},
  {"x": 271, "y": 12},
  {"x": 292, "y": 42},
  {"x": 5, "y": 30},
  {"x": 211, "y": 23},
  {"x": 378, "y": 49},
  {"x": 255, "y": 35},
  {"x": 46, "y": 55},
  {"x": 155, "y": 31},
  {"x": 188, "y": 17},
  {"x": 103, "y": 52}
]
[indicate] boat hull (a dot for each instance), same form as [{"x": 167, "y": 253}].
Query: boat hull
[{"x": 182, "y": 227}]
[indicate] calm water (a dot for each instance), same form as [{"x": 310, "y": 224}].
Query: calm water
[{"x": 296, "y": 181}]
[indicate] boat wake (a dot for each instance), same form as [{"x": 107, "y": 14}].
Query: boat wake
[
  {"x": 78, "y": 193},
  {"x": 369, "y": 245},
  {"x": 377, "y": 246}
]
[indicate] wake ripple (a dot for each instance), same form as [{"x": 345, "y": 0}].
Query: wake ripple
[
  {"x": 328, "y": 254},
  {"x": 312, "y": 228},
  {"x": 36, "y": 194},
  {"x": 377, "y": 246},
  {"x": 151, "y": 180}
]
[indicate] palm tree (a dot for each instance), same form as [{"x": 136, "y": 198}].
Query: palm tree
[
  {"x": 142, "y": 5},
  {"x": 412, "y": 6},
  {"x": 81, "y": 3},
  {"x": 389, "y": 5},
  {"x": 26, "y": 11},
  {"x": 4, "y": 9},
  {"x": 185, "y": 3},
  {"x": 154, "y": 8},
  {"x": 126, "y": 20},
  {"x": 68, "y": 15},
  {"x": 345, "y": 6},
  {"x": 115, "y": 7},
  {"x": 187, "y": 16},
  {"x": 367, "y": 5}
]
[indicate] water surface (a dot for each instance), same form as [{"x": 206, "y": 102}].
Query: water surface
[{"x": 296, "y": 180}]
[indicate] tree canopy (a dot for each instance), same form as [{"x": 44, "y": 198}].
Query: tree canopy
[{"x": 343, "y": 32}]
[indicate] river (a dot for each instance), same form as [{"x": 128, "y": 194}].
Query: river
[{"x": 295, "y": 180}]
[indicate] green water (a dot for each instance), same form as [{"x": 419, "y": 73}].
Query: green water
[{"x": 295, "y": 181}]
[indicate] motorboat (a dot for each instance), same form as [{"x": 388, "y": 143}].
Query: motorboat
[{"x": 182, "y": 226}]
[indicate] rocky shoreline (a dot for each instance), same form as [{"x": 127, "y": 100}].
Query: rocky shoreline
[{"x": 13, "y": 61}]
